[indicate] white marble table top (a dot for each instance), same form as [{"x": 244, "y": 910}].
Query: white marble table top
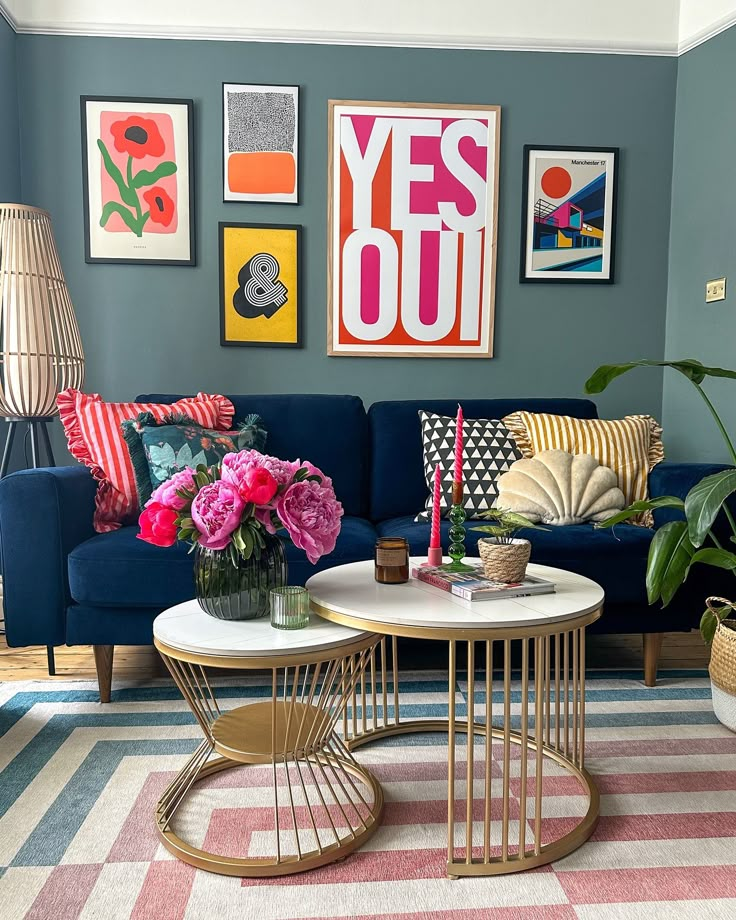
[
  {"x": 189, "y": 628},
  {"x": 352, "y": 591}
]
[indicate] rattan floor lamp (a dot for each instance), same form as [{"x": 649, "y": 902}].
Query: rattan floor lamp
[{"x": 40, "y": 347}]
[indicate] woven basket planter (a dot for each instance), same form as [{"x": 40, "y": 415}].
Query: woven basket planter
[
  {"x": 723, "y": 672},
  {"x": 504, "y": 562}
]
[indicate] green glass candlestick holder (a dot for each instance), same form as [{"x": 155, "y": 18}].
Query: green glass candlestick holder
[{"x": 456, "y": 549}]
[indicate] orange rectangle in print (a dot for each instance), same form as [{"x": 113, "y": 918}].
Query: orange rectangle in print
[{"x": 261, "y": 173}]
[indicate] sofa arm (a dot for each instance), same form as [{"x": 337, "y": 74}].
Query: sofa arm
[
  {"x": 672, "y": 478},
  {"x": 44, "y": 514}
]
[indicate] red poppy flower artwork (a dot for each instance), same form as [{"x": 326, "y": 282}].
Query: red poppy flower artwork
[
  {"x": 138, "y": 136},
  {"x": 138, "y": 175},
  {"x": 160, "y": 205}
]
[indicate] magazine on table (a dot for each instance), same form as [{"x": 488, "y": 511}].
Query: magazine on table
[{"x": 474, "y": 586}]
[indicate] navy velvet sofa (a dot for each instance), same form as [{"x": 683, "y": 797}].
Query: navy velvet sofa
[{"x": 64, "y": 583}]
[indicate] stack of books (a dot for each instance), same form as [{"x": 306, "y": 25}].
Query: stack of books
[{"x": 474, "y": 586}]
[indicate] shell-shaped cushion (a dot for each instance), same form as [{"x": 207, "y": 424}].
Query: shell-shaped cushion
[{"x": 555, "y": 487}]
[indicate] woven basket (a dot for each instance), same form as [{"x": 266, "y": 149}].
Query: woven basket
[
  {"x": 504, "y": 562},
  {"x": 723, "y": 668}
]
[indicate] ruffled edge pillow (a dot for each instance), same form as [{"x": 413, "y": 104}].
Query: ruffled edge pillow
[
  {"x": 631, "y": 446},
  {"x": 94, "y": 436}
]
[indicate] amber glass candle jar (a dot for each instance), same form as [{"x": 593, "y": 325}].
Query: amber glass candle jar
[{"x": 392, "y": 561}]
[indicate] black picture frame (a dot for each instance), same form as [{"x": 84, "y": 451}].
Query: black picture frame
[
  {"x": 138, "y": 102},
  {"x": 221, "y": 228},
  {"x": 299, "y": 90},
  {"x": 578, "y": 276}
]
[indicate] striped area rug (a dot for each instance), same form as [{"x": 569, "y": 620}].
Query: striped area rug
[{"x": 78, "y": 782}]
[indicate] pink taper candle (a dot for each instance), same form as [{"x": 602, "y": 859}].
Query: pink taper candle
[
  {"x": 434, "y": 540},
  {"x": 434, "y": 556},
  {"x": 458, "y": 477}
]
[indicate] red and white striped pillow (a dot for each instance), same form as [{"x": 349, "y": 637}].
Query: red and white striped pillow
[{"x": 92, "y": 428}]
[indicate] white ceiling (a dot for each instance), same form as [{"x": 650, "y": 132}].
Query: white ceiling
[{"x": 665, "y": 27}]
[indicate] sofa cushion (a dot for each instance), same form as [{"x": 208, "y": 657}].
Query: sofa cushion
[
  {"x": 616, "y": 559},
  {"x": 94, "y": 436},
  {"x": 159, "y": 448},
  {"x": 118, "y": 570},
  {"x": 329, "y": 431},
  {"x": 397, "y": 479}
]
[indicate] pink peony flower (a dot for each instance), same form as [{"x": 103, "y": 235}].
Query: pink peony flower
[
  {"x": 311, "y": 514},
  {"x": 166, "y": 495},
  {"x": 158, "y": 525},
  {"x": 258, "y": 486},
  {"x": 216, "y": 511},
  {"x": 237, "y": 467}
]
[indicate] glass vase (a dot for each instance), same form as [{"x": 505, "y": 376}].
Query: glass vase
[{"x": 242, "y": 591}]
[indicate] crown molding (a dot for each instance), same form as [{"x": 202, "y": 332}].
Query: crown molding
[
  {"x": 376, "y": 39},
  {"x": 704, "y": 35},
  {"x": 8, "y": 16}
]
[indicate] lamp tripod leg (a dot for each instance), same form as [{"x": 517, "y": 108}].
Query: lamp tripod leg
[
  {"x": 8, "y": 449},
  {"x": 47, "y": 443}
]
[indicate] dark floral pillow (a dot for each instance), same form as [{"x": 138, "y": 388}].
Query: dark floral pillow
[{"x": 158, "y": 449}]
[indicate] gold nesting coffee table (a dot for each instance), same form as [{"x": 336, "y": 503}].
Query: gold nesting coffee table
[
  {"x": 547, "y": 630},
  {"x": 324, "y": 804}
]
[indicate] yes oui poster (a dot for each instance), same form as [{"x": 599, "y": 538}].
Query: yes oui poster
[{"x": 413, "y": 194}]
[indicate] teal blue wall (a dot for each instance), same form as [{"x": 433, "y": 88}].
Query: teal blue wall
[
  {"x": 156, "y": 328},
  {"x": 9, "y": 155},
  {"x": 703, "y": 245}
]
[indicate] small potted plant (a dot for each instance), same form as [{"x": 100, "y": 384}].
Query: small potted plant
[{"x": 505, "y": 556}]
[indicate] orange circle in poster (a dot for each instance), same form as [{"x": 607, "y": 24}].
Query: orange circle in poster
[{"x": 556, "y": 182}]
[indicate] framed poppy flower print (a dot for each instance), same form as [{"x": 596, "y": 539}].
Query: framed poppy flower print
[{"x": 138, "y": 180}]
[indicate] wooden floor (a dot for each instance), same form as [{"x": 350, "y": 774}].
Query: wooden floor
[{"x": 680, "y": 650}]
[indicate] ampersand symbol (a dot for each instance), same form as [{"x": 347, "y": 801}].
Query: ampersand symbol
[{"x": 259, "y": 292}]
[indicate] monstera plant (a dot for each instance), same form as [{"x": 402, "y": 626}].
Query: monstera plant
[{"x": 681, "y": 544}]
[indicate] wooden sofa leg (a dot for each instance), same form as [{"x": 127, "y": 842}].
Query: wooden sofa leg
[
  {"x": 103, "y": 663},
  {"x": 652, "y": 648}
]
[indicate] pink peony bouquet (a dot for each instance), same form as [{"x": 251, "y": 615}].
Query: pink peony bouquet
[{"x": 228, "y": 507}]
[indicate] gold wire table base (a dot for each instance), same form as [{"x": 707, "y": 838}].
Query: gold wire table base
[
  {"x": 550, "y": 710},
  {"x": 324, "y": 804}
]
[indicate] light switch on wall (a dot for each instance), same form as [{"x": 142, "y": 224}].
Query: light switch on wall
[{"x": 715, "y": 290}]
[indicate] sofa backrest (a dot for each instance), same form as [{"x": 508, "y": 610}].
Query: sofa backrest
[
  {"x": 398, "y": 486},
  {"x": 329, "y": 431}
]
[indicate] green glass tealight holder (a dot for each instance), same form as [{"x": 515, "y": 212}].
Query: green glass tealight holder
[
  {"x": 456, "y": 549},
  {"x": 289, "y": 607}
]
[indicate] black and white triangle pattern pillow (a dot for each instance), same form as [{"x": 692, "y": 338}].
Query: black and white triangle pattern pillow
[{"x": 489, "y": 449}]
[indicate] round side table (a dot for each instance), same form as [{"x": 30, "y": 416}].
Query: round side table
[
  {"x": 546, "y": 630},
  {"x": 325, "y": 804}
]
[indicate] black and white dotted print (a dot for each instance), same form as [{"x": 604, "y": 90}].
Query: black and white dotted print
[{"x": 260, "y": 122}]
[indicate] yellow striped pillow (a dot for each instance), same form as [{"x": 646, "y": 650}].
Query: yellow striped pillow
[{"x": 630, "y": 446}]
